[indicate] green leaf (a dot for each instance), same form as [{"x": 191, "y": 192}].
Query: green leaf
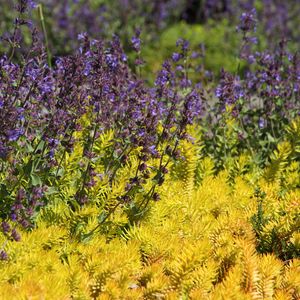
[
  {"x": 41, "y": 145},
  {"x": 29, "y": 148},
  {"x": 270, "y": 138},
  {"x": 60, "y": 172},
  {"x": 3, "y": 191},
  {"x": 50, "y": 191},
  {"x": 85, "y": 238},
  {"x": 27, "y": 169},
  {"x": 102, "y": 217},
  {"x": 35, "y": 180}
]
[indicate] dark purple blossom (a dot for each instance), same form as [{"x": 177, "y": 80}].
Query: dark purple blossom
[
  {"x": 261, "y": 122},
  {"x": 5, "y": 227},
  {"x": 176, "y": 56},
  {"x": 184, "y": 44},
  {"x": 229, "y": 90},
  {"x": 15, "y": 235},
  {"x": 112, "y": 61},
  {"x": 14, "y": 134},
  {"x": 136, "y": 41},
  {"x": 3, "y": 255},
  {"x": 13, "y": 217},
  {"x": 248, "y": 21}
]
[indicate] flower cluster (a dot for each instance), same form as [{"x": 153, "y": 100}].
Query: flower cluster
[
  {"x": 248, "y": 21},
  {"x": 230, "y": 90}
]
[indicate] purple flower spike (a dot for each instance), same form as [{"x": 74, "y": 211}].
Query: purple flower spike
[
  {"x": 136, "y": 41},
  {"x": 248, "y": 21}
]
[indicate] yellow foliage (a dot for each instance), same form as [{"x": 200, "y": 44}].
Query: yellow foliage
[{"x": 197, "y": 242}]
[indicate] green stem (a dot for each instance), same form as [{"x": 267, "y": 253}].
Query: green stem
[
  {"x": 112, "y": 210},
  {"x": 64, "y": 152},
  {"x": 118, "y": 165},
  {"x": 13, "y": 42},
  {"x": 42, "y": 19},
  {"x": 91, "y": 146}
]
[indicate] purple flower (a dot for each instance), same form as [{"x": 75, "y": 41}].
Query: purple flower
[
  {"x": 82, "y": 36},
  {"x": 164, "y": 75},
  {"x": 184, "y": 44},
  {"x": 3, "y": 255},
  {"x": 136, "y": 41},
  {"x": 14, "y": 134},
  {"x": 24, "y": 5},
  {"x": 15, "y": 235},
  {"x": 13, "y": 217},
  {"x": 5, "y": 227},
  {"x": 162, "y": 78},
  {"x": 229, "y": 90},
  {"x": 261, "y": 122},
  {"x": 248, "y": 21},
  {"x": 37, "y": 193},
  {"x": 21, "y": 194},
  {"x": 185, "y": 83},
  {"x": 24, "y": 223},
  {"x": 32, "y": 4},
  {"x": 180, "y": 68},
  {"x": 123, "y": 57},
  {"x": 136, "y": 44},
  {"x": 53, "y": 143},
  {"x": 112, "y": 61},
  {"x": 176, "y": 57}
]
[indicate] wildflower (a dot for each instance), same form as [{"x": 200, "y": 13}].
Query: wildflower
[
  {"x": 3, "y": 255},
  {"x": 176, "y": 56},
  {"x": 112, "y": 61},
  {"x": 136, "y": 41},
  {"x": 261, "y": 123},
  {"x": 5, "y": 227},
  {"x": 15, "y": 235},
  {"x": 229, "y": 89},
  {"x": 248, "y": 21},
  {"x": 14, "y": 134}
]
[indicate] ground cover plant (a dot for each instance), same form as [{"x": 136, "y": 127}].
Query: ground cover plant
[{"x": 178, "y": 180}]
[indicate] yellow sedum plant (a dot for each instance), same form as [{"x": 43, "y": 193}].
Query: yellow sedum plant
[
  {"x": 195, "y": 245},
  {"x": 232, "y": 235}
]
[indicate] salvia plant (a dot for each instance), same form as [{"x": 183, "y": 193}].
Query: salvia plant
[
  {"x": 192, "y": 171},
  {"x": 47, "y": 109}
]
